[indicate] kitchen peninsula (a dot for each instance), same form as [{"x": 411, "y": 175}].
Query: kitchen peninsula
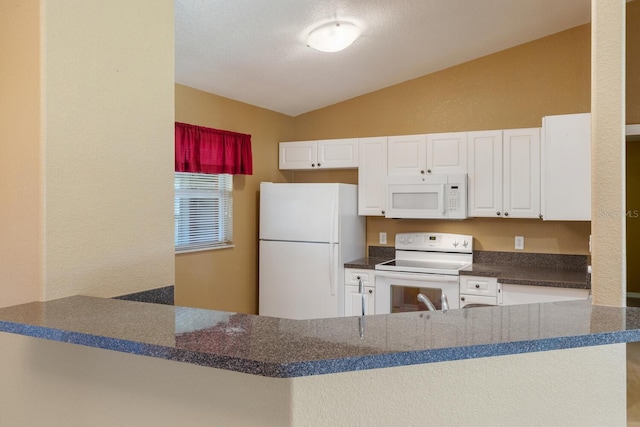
[{"x": 130, "y": 363}]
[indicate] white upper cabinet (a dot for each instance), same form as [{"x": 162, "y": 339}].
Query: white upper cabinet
[
  {"x": 298, "y": 155},
  {"x": 372, "y": 176},
  {"x": 322, "y": 154},
  {"x": 504, "y": 173},
  {"x": 407, "y": 155},
  {"x": 434, "y": 153},
  {"x": 485, "y": 173},
  {"x": 566, "y": 167},
  {"x": 447, "y": 152},
  {"x": 521, "y": 173},
  {"x": 338, "y": 153}
]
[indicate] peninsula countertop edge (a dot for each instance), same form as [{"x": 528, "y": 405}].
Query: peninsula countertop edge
[{"x": 285, "y": 348}]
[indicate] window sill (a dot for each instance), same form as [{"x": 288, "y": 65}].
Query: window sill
[{"x": 186, "y": 251}]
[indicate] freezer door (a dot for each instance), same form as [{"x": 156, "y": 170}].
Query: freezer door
[
  {"x": 299, "y": 212},
  {"x": 299, "y": 280}
]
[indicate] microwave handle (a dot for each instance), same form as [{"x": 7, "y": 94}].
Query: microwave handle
[{"x": 444, "y": 206}]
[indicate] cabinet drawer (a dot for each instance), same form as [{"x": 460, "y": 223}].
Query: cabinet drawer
[
  {"x": 477, "y": 299},
  {"x": 352, "y": 276},
  {"x": 474, "y": 285}
]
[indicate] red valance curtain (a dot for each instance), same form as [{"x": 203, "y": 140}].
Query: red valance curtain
[{"x": 206, "y": 150}]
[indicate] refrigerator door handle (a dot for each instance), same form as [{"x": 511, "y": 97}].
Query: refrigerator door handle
[{"x": 332, "y": 283}]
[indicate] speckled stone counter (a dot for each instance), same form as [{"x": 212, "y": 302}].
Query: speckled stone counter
[
  {"x": 368, "y": 263},
  {"x": 284, "y": 348},
  {"x": 534, "y": 276},
  {"x": 552, "y": 270}
]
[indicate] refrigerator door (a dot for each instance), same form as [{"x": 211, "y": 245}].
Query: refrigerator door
[
  {"x": 299, "y": 280},
  {"x": 299, "y": 212}
]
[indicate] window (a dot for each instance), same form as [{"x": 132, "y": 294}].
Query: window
[{"x": 203, "y": 211}]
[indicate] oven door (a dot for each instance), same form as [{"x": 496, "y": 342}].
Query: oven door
[{"x": 398, "y": 292}]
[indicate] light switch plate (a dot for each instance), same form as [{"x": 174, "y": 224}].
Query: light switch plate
[{"x": 520, "y": 242}]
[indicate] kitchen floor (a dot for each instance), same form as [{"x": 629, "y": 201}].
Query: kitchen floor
[{"x": 633, "y": 384}]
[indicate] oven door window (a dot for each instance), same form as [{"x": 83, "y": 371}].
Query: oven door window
[{"x": 405, "y": 298}]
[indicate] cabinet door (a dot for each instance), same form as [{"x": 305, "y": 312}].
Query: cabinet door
[
  {"x": 338, "y": 153},
  {"x": 298, "y": 155},
  {"x": 447, "y": 152},
  {"x": 521, "y": 173},
  {"x": 407, "y": 154},
  {"x": 566, "y": 167},
  {"x": 525, "y": 294},
  {"x": 372, "y": 176},
  {"x": 353, "y": 301},
  {"x": 485, "y": 173}
]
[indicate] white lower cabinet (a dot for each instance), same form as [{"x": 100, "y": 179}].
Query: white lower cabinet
[
  {"x": 479, "y": 290},
  {"x": 525, "y": 294},
  {"x": 355, "y": 302}
]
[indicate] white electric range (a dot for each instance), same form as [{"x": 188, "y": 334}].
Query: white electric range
[{"x": 424, "y": 274}]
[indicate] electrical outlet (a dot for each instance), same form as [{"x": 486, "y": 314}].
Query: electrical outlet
[
  {"x": 520, "y": 242},
  {"x": 383, "y": 238}
]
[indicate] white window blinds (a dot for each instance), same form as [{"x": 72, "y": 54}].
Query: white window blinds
[{"x": 203, "y": 211}]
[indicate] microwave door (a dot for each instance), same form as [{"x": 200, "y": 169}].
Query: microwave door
[{"x": 417, "y": 201}]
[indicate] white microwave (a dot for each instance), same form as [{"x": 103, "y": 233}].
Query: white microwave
[{"x": 427, "y": 197}]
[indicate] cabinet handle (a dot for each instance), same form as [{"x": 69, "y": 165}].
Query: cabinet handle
[
  {"x": 506, "y": 214},
  {"x": 428, "y": 170},
  {"x": 541, "y": 216},
  {"x": 461, "y": 298},
  {"x": 319, "y": 165},
  {"x": 362, "y": 294},
  {"x": 382, "y": 212},
  {"x": 477, "y": 286},
  {"x": 422, "y": 172},
  {"x": 498, "y": 213},
  {"x": 370, "y": 291},
  {"x": 313, "y": 165}
]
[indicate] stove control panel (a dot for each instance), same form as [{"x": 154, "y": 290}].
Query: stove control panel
[{"x": 434, "y": 242}]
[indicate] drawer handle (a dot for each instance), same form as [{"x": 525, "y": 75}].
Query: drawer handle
[{"x": 477, "y": 286}]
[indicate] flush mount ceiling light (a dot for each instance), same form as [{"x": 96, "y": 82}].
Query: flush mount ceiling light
[{"x": 333, "y": 36}]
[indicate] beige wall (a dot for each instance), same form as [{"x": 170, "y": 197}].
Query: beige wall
[
  {"x": 227, "y": 279},
  {"x": 20, "y": 171},
  {"x": 108, "y": 388},
  {"x": 108, "y": 146},
  {"x": 510, "y": 89},
  {"x": 86, "y": 133}
]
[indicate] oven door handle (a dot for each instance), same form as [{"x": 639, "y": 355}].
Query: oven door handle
[{"x": 418, "y": 277}]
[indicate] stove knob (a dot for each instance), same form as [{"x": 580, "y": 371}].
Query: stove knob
[
  {"x": 455, "y": 243},
  {"x": 401, "y": 239},
  {"x": 465, "y": 243},
  {"x": 410, "y": 240}
]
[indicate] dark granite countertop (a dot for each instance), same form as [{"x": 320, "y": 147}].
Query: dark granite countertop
[
  {"x": 534, "y": 276},
  {"x": 368, "y": 263},
  {"x": 284, "y": 348},
  {"x": 553, "y": 270}
]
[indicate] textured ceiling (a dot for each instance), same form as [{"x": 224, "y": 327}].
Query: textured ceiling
[{"x": 254, "y": 51}]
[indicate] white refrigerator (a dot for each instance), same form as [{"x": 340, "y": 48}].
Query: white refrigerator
[{"x": 307, "y": 233}]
